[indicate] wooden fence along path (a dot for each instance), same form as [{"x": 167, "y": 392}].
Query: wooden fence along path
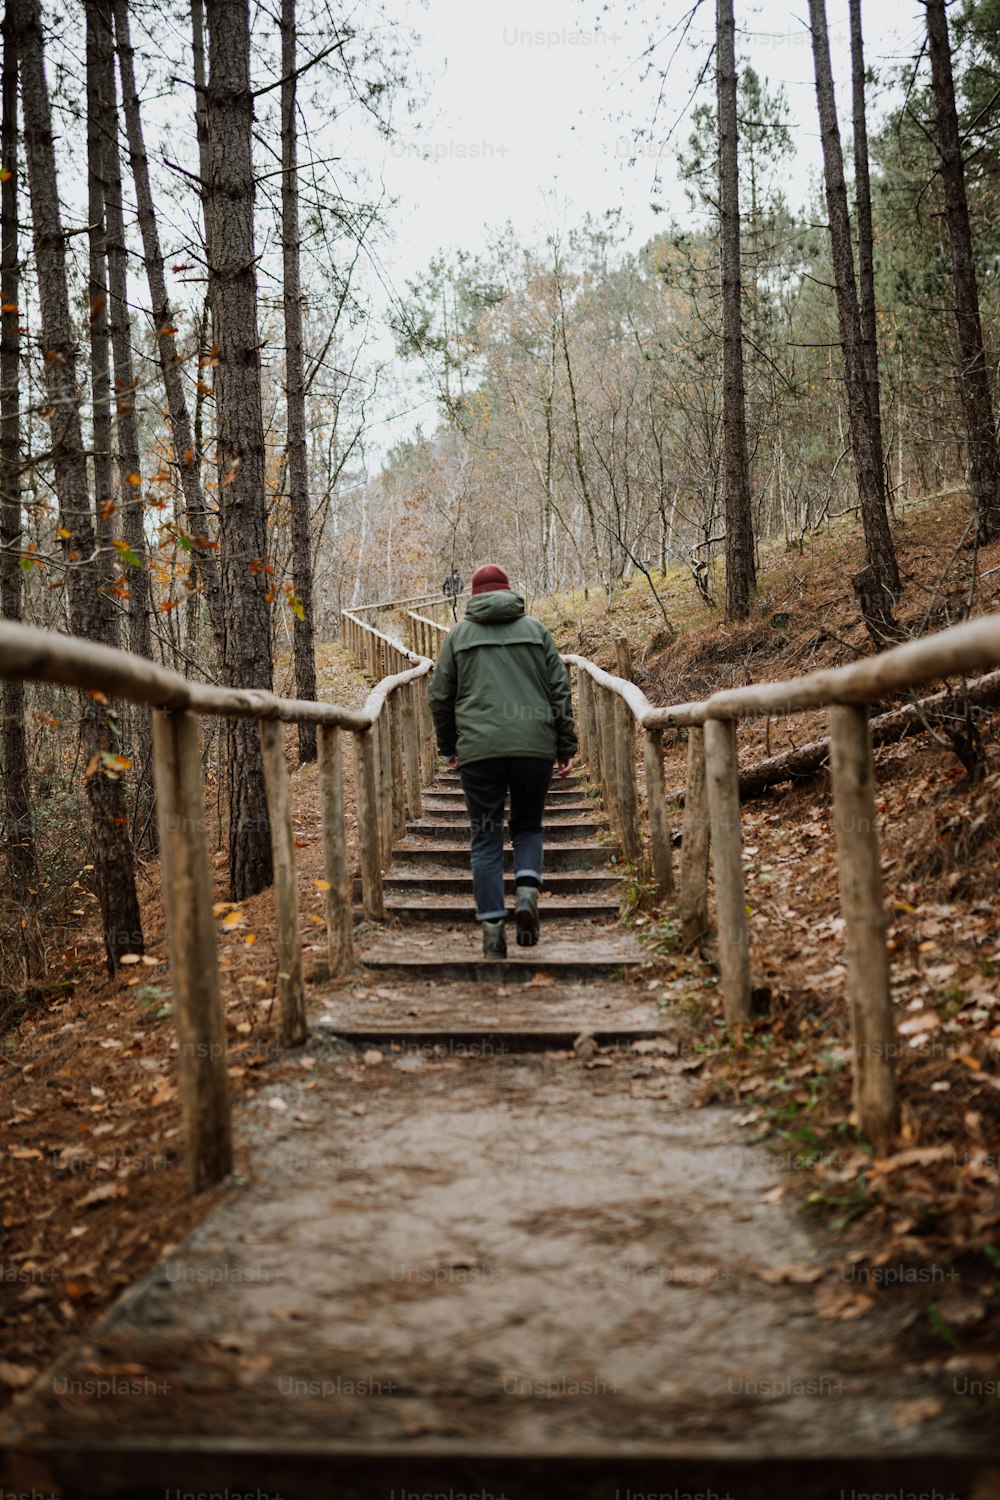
[
  {"x": 395, "y": 760},
  {"x": 452, "y": 1266}
]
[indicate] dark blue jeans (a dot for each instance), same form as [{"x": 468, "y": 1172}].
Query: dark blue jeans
[{"x": 486, "y": 784}]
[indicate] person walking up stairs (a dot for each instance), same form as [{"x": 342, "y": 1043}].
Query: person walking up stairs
[{"x": 503, "y": 714}]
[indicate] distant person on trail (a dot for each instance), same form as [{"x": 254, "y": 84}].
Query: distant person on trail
[
  {"x": 446, "y": 586},
  {"x": 503, "y": 715},
  {"x": 456, "y": 582}
]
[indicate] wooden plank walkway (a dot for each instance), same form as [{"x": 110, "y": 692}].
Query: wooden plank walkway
[{"x": 488, "y": 1246}]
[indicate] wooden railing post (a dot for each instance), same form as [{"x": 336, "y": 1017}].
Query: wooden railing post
[
  {"x": 194, "y": 969},
  {"x": 410, "y": 717},
  {"x": 592, "y": 692},
  {"x": 722, "y": 776},
  {"x": 369, "y": 827},
  {"x": 609, "y": 760},
  {"x": 694, "y": 844},
  {"x": 661, "y": 864},
  {"x": 393, "y": 707},
  {"x": 582, "y": 714},
  {"x": 291, "y": 986},
  {"x": 861, "y": 900},
  {"x": 383, "y": 740},
  {"x": 428, "y": 744},
  {"x": 628, "y": 795},
  {"x": 339, "y": 919}
]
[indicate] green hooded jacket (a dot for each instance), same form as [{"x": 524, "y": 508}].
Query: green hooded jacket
[{"x": 499, "y": 687}]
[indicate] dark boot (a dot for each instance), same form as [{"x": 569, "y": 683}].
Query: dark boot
[
  {"x": 526, "y": 915},
  {"x": 494, "y": 939}
]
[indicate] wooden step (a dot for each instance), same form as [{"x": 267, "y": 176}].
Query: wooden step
[
  {"x": 440, "y": 802},
  {"x": 574, "y": 832},
  {"x": 579, "y": 856},
  {"x": 458, "y": 817},
  {"x": 458, "y": 955},
  {"x": 433, "y": 880},
  {"x": 452, "y": 779},
  {"x": 315, "y": 1467},
  {"x": 431, "y": 907},
  {"x": 455, "y": 797}
]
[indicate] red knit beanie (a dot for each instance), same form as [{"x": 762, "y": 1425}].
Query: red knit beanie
[{"x": 485, "y": 580}]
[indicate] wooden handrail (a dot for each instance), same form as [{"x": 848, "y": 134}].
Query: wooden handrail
[
  {"x": 395, "y": 710},
  {"x": 712, "y": 805},
  {"x": 436, "y": 598},
  {"x": 422, "y": 630},
  {"x": 49, "y": 656}
]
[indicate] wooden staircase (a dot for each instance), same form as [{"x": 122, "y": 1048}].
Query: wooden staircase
[{"x": 432, "y": 938}]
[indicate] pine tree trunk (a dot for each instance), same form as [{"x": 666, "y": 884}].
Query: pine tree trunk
[
  {"x": 100, "y": 349},
  {"x": 130, "y": 498},
  {"x": 740, "y": 570},
  {"x": 204, "y": 341},
  {"x": 982, "y": 461},
  {"x": 18, "y": 827},
  {"x": 113, "y": 862},
  {"x": 186, "y": 456},
  {"x": 295, "y": 389},
  {"x": 866, "y": 237},
  {"x": 865, "y": 428},
  {"x": 246, "y": 643}
]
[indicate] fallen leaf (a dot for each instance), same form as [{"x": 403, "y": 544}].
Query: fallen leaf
[
  {"x": 913, "y": 1413},
  {"x": 100, "y": 1195},
  {"x": 924, "y": 1020},
  {"x": 842, "y": 1303},
  {"x": 796, "y": 1274},
  {"x": 917, "y": 1156}
]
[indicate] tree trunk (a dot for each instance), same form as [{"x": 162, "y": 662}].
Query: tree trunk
[
  {"x": 982, "y": 460},
  {"x": 18, "y": 828},
  {"x": 866, "y": 432},
  {"x": 114, "y": 867},
  {"x": 187, "y": 459},
  {"x": 295, "y": 389},
  {"x": 740, "y": 570},
  {"x": 100, "y": 349},
  {"x": 246, "y": 575},
  {"x": 866, "y": 238},
  {"x": 581, "y": 468},
  {"x": 130, "y": 498}
]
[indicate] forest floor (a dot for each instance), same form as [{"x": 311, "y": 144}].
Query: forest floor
[{"x": 94, "y": 1187}]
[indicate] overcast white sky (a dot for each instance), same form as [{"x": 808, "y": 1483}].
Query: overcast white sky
[
  {"x": 532, "y": 108},
  {"x": 532, "y": 111}
]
